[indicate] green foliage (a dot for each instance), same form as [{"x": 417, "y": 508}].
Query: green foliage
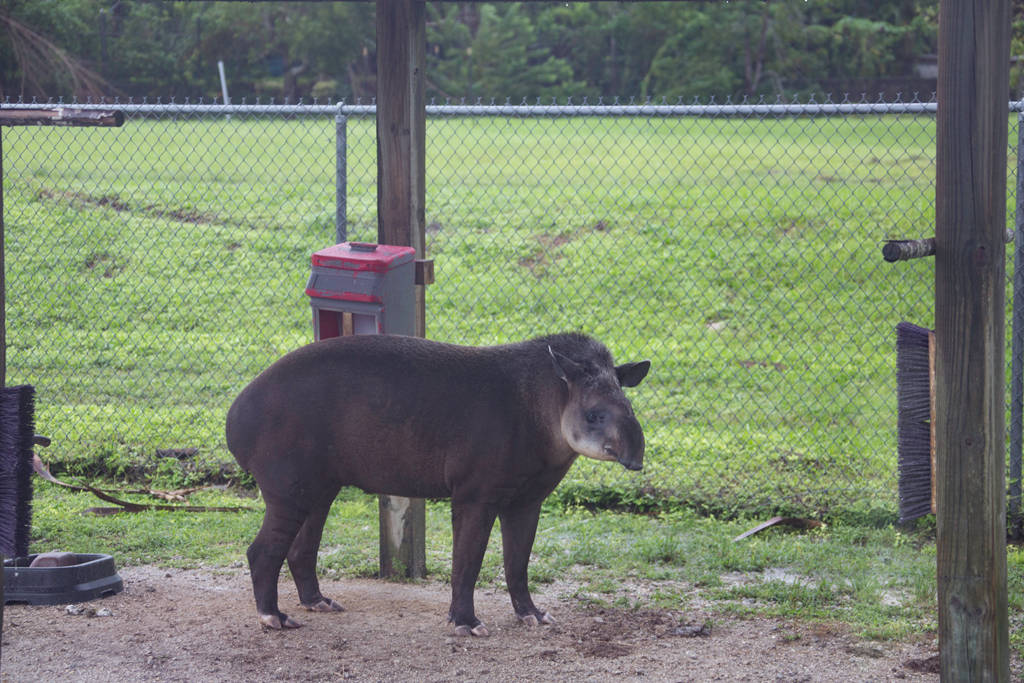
[
  {"x": 171, "y": 49},
  {"x": 1015, "y": 596},
  {"x": 771, "y": 49},
  {"x": 685, "y": 68},
  {"x": 516, "y": 50},
  {"x": 67, "y": 24},
  {"x": 504, "y": 56},
  {"x": 508, "y": 60},
  {"x": 1016, "y": 50}
]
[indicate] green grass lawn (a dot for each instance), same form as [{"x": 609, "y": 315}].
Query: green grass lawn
[{"x": 153, "y": 270}]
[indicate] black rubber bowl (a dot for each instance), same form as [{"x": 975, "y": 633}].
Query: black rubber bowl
[{"x": 93, "y": 577}]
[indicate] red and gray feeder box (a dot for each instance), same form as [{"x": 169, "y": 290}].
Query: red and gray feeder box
[{"x": 360, "y": 288}]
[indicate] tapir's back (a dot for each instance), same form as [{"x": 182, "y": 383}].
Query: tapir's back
[{"x": 388, "y": 414}]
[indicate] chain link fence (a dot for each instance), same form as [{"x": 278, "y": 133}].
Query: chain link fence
[{"x": 153, "y": 270}]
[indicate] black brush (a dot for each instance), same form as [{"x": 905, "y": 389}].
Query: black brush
[
  {"x": 17, "y": 427},
  {"x": 914, "y": 382}
]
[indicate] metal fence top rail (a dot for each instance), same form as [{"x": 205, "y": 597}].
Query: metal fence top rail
[
  {"x": 651, "y": 109},
  {"x": 648, "y": 108}
]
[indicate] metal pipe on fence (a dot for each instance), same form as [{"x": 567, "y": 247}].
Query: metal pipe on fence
[
  {"x": 526, "y": 110},
  {"x": 522, "y": 110},
  {"x": 341, "y": 180},
  {"x": 1017, "y": 362}
]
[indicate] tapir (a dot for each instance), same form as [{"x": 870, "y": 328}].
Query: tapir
[{"x": 495, "y": 429}]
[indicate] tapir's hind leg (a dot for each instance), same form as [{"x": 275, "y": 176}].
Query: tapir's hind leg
[
  {"x": 302, "y": 560},
  {"x": 518, "y": 530},
  {"x": 266, "y": 554}
]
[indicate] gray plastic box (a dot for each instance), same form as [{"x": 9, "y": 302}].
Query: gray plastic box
[{"x": 361, "y": 288}]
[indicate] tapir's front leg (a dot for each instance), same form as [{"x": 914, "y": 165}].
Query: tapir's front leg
[
  {"x": 518, "y": 530},
  {"x": 471, "y": 528}
]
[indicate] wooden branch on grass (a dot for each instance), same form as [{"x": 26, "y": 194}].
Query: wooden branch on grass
[{"x": 127, "y": 506}]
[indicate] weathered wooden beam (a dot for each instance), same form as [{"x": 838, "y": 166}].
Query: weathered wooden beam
[
  {"x": 3, "y": 287},
  {"x": 970, "y": 284},
  {"x": 60, "y": 116},
  {"x": 401, "y": 124},
  {"x": 905, "y": 250},
  {"x": 3, "y": 342},
  {"x": 401, "y": 220}
]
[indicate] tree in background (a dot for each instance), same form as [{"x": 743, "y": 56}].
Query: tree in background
[
  {"x": 270, "y": 50},
  {"x": 38, "y": 52},
  {"x": 743, "y": 48},
  {"x": 777, "y": 48},
  {"x": 171, "y": 49},
  {"x": 1017, "y": 50},
  {"x": 493, "y": 49}
]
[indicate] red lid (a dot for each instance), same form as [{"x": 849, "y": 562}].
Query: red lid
[{"x": 362, "y": 256}]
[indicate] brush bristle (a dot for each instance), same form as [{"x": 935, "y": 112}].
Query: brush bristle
[
  {"x": 17, "y": 427},
  {"x": 913, "y": 402}
]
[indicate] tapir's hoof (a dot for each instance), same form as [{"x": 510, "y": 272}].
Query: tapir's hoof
[
  {"x": 274, "y": 622},
  {"x": 531, "y": 620},
  {"x": 324, "y": 605},
  {"x": 478, "y": 630}
]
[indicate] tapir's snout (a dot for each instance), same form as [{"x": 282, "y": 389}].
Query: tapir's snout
[
  {"x": 629, "y": 451},
  {"x": 632, "y": 465}
]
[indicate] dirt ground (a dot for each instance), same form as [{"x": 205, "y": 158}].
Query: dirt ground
[{"x": 200, "y": 625}]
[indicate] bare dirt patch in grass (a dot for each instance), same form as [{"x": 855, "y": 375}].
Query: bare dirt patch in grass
[{"x": 200, "y": 625}]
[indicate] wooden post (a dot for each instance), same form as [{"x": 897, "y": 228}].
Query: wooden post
[
  {"x": 3, "y": 341},
  {"x": 3, "y": 288},
  {"x": 970, "y": 284},
  {"x": 401, "y": 220}
]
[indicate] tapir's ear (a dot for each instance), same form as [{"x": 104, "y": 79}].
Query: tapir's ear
[
  {"x": 566, "y": 368},
  {"x": 631, "y": 374}
]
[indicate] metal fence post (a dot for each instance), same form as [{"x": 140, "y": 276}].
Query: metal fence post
[
  {"x": 1017, "y": 360},
  {"x": 341, "y": 189}
]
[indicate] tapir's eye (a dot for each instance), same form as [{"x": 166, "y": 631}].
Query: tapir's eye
[{"x": 593, "y": 417}]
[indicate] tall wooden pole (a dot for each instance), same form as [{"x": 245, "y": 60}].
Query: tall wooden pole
[
  {"x": 970, "y": 283},
  {"x": 3, "y": 281},
  {"x": 401, "y": 219},
  {"x": 3, "y": 338}
]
